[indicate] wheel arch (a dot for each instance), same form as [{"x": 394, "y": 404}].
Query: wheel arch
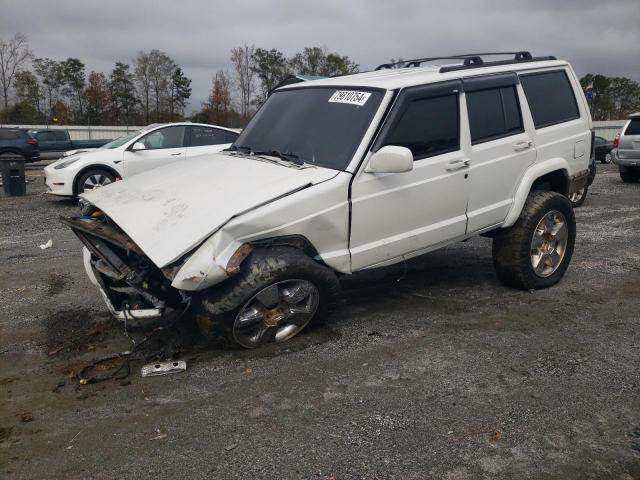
[
  {"x": 299, "y": 242},
  {"x": 94, "y": 166},
  {"x": 551, "y": 175}
]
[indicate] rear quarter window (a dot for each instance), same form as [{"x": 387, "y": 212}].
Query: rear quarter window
[
  {"x": 550, "y": 97},
  {"x": 633, "y": 128}
]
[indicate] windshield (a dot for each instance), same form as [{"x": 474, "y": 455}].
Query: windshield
[
  {"x": 319, "y": 126},
  {"x": 118, "y": 142}
]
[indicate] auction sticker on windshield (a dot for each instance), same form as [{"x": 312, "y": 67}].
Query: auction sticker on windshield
[{"x": 350, "y": 97}]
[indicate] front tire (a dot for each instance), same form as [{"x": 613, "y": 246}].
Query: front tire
[
  {"x": 92, "y": 179},
  {"x": 606, "y": 158},
  {"x": 536, "y": 251},
  {"x": 277, "y": 293}
]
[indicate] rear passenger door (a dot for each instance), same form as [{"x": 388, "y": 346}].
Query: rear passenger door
[
  {"x": 501, "y": 147},
  {"x": 394, "y": 215},
  {"x": 208, "y": 140}
]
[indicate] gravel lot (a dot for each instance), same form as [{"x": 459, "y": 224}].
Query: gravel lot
[{"x": 436, "y": 372}]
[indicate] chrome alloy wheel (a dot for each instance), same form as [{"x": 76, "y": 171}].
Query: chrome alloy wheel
[
  {"x": 549, "y": 243},
  {"x": 576, "y": 196},
  {"x": 96, "y": 181},
  {"x": 276, "y": 313}
]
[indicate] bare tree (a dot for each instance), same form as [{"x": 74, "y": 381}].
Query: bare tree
[
  {"x": 218, "y": 106},
  {"x": 13, "y": 55},
  {"x": 142, "y": 71},
  {"x": 244, "y": 73}
]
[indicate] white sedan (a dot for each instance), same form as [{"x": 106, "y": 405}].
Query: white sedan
[{"x": 151, "y": 147}]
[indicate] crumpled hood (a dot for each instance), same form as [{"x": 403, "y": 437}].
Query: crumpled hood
[{"x": 170, "y": 210}]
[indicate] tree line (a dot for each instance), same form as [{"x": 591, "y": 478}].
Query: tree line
[
  {"x": 38, "y": 90},
  {"x": 257, "y": 71},
  {"x": 611, "y": 98},
  {"x": 154, "y": 88}
]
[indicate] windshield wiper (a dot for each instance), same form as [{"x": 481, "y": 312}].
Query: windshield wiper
[
  {"x": 289, "y": 157},
  {"x": 236, "y": 148}
]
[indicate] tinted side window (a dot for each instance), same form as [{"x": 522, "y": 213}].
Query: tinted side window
[
  {"x": 170, "y": 137},
  {"x": 550, "y": 98},
  {"x": 427, "y": 127},
  {"x": 58, "y": 136},
  {"x": 44, "y": 136},
  {"x": 633, "y": 128},
  {"x": 201, "y": 136},
  {"x": 493, "y": 113}
]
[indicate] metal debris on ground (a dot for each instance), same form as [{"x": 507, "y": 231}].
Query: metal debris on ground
[{"x": 164, "y": 368}]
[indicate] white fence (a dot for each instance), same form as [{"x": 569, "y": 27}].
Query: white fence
[
  {"x": 607, "y": 129},
  {"x": 83, "y": 132}
]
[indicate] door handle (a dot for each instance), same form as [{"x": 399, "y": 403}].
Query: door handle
[
  {"x": 456, "y": 165},
  {"x": 175, "y": 154},
  {"x": 520, "y": 146}
]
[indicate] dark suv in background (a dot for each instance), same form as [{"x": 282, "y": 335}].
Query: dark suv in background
[{"x": 14, "y": 141}]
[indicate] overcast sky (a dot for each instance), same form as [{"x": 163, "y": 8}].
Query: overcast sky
[{"x": 595, "y": 36}]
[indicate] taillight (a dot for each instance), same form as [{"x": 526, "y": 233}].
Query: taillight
[
  {"x": 32, "y": 141},
  {"x": 616, "y": 140}
]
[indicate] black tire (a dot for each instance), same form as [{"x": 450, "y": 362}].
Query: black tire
[
  {"x": 579, "y": 200},
  {"x": 629, "y": 175},
  {"x": 606, "y": 158},
  {"x": 512, "y": 247},
  {"x": 216, "y": 308},
  {"x": 94, "y": 172}
]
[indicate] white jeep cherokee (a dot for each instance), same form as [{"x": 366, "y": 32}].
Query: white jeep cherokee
[{"x": 343, "y": 174}]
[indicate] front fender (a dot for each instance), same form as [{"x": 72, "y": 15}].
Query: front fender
[{"x": 534, "y": 172}]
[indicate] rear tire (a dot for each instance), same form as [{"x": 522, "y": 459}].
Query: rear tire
[
  {"x": 266, "y": 271},
  {"x": 94, "y": 178},
  {"x": 629, "y": 175},
  {"x": 578, "y": 197},
  {"x": 513, "y": 248}
]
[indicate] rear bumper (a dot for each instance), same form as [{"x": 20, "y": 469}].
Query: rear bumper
[{"x": 626, "y": 158}]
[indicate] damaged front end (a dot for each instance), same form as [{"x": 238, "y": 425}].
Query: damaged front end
[{"x": 131, "y": 285}]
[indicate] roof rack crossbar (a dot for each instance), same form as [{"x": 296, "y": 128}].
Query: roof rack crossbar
[{"x": 469, "y": 60}]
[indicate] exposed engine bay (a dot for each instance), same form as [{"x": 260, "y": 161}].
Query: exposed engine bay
[{"x": 129, "y": 281}]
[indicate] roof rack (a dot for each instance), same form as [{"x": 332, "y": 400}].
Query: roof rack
[{"x": 469, "y": 60}]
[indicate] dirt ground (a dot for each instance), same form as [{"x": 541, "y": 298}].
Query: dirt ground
[{"x": 436, "y": 372}]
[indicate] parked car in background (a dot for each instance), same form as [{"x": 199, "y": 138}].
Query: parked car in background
[
  {"x": 603, "y": 149},
  {"x": 14, "y": 141},
  {"x": 627, "y": 153},
  {"x": 153, "y": 146},
  {"x": 56, "y": 141}
]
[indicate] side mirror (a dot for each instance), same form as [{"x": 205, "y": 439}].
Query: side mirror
[
  {"x": 138, "y": 146},
  {"x": 390, "y": 159}
]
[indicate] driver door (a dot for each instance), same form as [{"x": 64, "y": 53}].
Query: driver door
[
  {"x": 162, "y": 146},
  {"x": 397, "y": 215}
]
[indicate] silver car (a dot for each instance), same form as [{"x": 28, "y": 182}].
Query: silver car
[{"x": 627, "y": 155}]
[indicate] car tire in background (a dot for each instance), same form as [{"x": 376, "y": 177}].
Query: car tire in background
[
  {"x": 536, "y": 251},
  {"x": 278, "y": 291},
  {"x": 578, "y": 198},
  {"x": 629, "y": 175},
  {"x": 606, "y": 158},
  {"x": 94, "y": 178}
]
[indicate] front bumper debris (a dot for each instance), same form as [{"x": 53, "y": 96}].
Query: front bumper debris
[{"x": 131, "y": 285}]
